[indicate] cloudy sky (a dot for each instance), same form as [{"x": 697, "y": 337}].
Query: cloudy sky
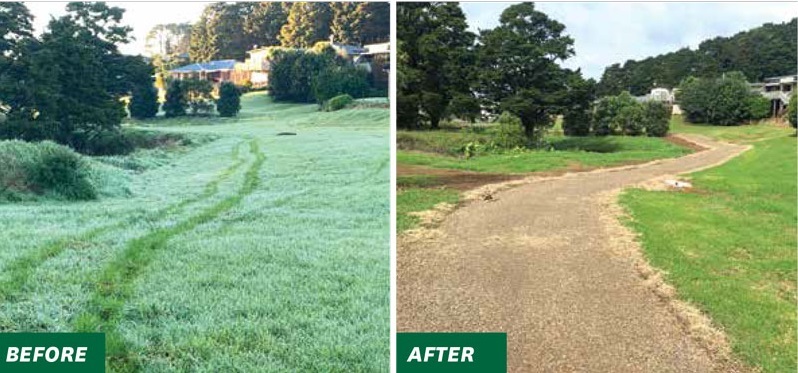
[{"x": 606, "y": 33}]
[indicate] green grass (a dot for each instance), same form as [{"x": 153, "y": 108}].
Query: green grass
[
  {"x": 729, "y": 246},
  {"x": 221, "y": 259},
  {"x": 570, "y": 152},
  {"x": 411, "y": 200},
  {"x": 740, "y": 134}
]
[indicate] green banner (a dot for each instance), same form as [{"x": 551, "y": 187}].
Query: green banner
[
  {"x": 451, "y": 352},
  {"x": 52, "y": 352}
]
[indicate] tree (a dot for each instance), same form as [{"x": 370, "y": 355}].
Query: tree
[
  {"x": 578, "y": 105},
  {"x": 765, "y": 51},
  {"x": 519, "y": 70},
  {"x": 15, "y": 25},
  {"x": 176, "y": 100},
  {"x": 374, "y": 22},
  {"x": 264, "y": 23},
  {"x": 168, "y": 40},
  {"x": 435, "y": 61},
  {"x": 307, "y": 24},
  {"x": 344, "y": 25},
  {"x": 293, "y": 72},
  {"x": 229, "y": 102},
  {"x": 657, "y": 117},
  {"x": 792, "y": 110},
  {"x": 722, "y": 101},
  {"x": 202, "y": 46}
]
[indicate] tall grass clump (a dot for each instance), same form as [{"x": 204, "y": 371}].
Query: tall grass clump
[{"x": 45, "y": 168}]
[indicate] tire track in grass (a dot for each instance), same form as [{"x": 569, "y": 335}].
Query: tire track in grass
[
  {"x": 21, "y": 269},
  {"x": 115, "y": 284}
]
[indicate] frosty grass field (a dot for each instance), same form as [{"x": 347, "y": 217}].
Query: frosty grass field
[{"x": 252, "y": 252}]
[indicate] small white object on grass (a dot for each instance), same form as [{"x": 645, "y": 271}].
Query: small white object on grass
[{"x": 678, "y": 184}]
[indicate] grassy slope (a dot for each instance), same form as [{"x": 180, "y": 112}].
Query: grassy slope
[
  {"x": 606, "y": 152},
  {"x": 235, "y": 263},
  {"x": 729, "y": 247}
]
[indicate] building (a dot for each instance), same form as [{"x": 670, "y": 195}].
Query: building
[
  {"x": 214, "y": 71},
  {"x": 778, "y": 90},
  {"x": 376, "y": 59}
]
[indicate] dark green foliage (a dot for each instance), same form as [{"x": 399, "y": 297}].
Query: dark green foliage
[
  {"x": 610, "y": 114},
  {"x": 578, "y": 105},
  {"x": 436, "y": 62},
  {"x": 340, "y": 79},
  {"x": 576, "y": 122},
  {"x": 344, "y": 24},
  {"x": 766, "y": 51},
  {"x": 229, "y": 102},
  {"x": 519, "y": 67},
  {"x": 43, "y": 168},
  {"x": 631, "y": 119},
  {"x": 338, "y": 102},
  {"x": 264, "y": 23},
  {"x": 374, "y": 22},
  {"x": 79, "y": 76},
  {"x": 293, "y": 73},
  {"x": 758, "y": 106},
  {"x": 176, "y": 100},
  {"x": 465, "y": 107},
  {"x": 144, "y": 102},
  {"x": 792, "y": 110},
  {"x": 308, "y": 23},
  {"x": 656, "y": 117},
  {"x": 511, "y": 133},
  {"x": 724, "y": 101}
]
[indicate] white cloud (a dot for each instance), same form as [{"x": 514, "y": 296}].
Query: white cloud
[
  {"x": 142, "y": 16},
  {"x": 607, "y": 33}
]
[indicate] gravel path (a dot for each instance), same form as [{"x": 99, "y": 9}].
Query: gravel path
[{"x": 537, "y": 262}]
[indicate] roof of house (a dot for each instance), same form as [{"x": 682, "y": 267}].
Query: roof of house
[
  {"x": 207, "y": 66},
  {"x": 351, "y": 50},
  {"x": 377, "y": 48}
]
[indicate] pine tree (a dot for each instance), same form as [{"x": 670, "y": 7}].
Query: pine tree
[
  {"x": 264, "y": 23},
  {"x": 345, "y": 22},
  {"x": 203, "y": 38},
  {"x": 144, "y": 103},
  {"x": 229, "y": 102},
  {"x": 176, "y": 101},
  {"x": 374, "y": 22},
  {"x": 307, "y": 24}
]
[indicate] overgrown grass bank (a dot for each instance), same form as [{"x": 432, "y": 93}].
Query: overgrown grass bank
[
  {"x": 729, "y": 245},
  {"x": 201, "y": 269}
]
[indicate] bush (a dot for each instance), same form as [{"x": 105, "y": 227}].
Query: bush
[
  {"x": 758, "y": 106},
  {"x": 176, "y": 101},
  {"x": 607, "y": 119},
  {"x": 338, "y": 102},
  {"x": 293, "y": 72},
  {"x": 657, "y": 117},
  {"x": 144, "y": 103},
  {"x": 102, "y": 142},
  {"x": 792, "y": 110},
  {"x": 631, "y": 119},
  {"x": 339, "y": 80},
  {"x": 43, "y": 168},
  {"x": 725, "y": 101},
  {"x": 229, "y": 100},
  {"x": 510, "y": 134},
  {"x": 577, "y": 122}
]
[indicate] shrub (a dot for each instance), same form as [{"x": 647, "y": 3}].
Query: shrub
[
  {"x": 294, "y": 71},
  {"x": 607, "y": 119},
  {"x": 792, "y": 110},
  {"x": 758, "y": 106},
  {"x": 338, "y": 102},
  {"x": 176, "y": 100},
  {"x": 510, "y": 134},
  {"x": 657, "y": 117},
  {"x": 339, "y": 80},
  {"x": 229, "y": 100},
  {"x": 144, "y": 103},
  {"x": 724, "y": 101},
  {"x": 577, "y": 122},
  {"x": 631, "y": 119},
  {"x": 43, "y": 168},
  {"x": 102, "y": 142}
]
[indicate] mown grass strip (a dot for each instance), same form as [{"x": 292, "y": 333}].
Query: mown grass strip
[
  {"x": 21, "y": 269},
  {"x": 115, "y": 284}
]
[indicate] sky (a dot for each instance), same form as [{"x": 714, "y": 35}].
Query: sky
[
  {"x": 142, "y": 16},
  {"x": 607, "y": 33}
]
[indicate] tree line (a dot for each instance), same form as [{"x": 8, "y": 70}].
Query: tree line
[
  {"x": 229, "y": 30},
  {"x": 765, "y": 51},
  {"x": 67, "y": 84},
  {"x": 447, "y": 71}
]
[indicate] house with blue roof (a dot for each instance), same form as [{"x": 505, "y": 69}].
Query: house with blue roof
[{"x": 215, "y": 71}]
